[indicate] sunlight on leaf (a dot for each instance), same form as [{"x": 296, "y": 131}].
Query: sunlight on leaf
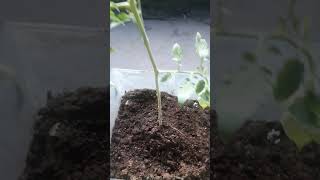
[{"x": 177, "y": 53}]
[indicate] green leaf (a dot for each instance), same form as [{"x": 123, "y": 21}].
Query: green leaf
[
  {"x": 204, "y": 99},
  {"x": 295, "y": 131},
  {"x": 117, "y": 17},
  {"x": 300, "y": 109},
  {"x": 288, "y": 80},
  {"x": 200, "y": 86},
  {"x": 166, "y": 77},
  {"x": 176, "y": 53},
  {"x": 204, "y": 104},
  {"x": 249, "y": 57},
  {"x": 202, "y": 49},
  {"x": 184, "y": 92}
]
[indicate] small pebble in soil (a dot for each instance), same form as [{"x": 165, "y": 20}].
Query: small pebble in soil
[
  {"x": 273, "y": 136},
  {"x": 54, "y": 129}
]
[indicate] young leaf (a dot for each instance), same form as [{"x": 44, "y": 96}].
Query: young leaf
[
  {"x": 204, "y": 104},
  {"x": 204, "y": 99},
  {"x": 202, "y": 49},
  {"x": 295, "y": 131},
  {"x": 200, "y": 86},
  {"x": 176, "y": 53},
  {"x": 166, "y": 77},
  {"x": 249, "y": 57},
  {"x": 288, "y": 80}
]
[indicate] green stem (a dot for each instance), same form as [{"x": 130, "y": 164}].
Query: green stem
[{"x": 140, "y": 25}]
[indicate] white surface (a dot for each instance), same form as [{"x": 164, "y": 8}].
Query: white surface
[{"x": 130, "y": 52}]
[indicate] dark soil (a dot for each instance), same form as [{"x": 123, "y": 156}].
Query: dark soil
[
  {"x": 140, "y": 148},
  {"x": 251, "y": 156},
  {"x": 70, "y": 142},
  {"x": 70, "y": 138}
]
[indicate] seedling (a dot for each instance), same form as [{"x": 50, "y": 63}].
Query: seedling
[
  {"x": 294, "y": 86},
  {"x": 197, "y": 82},
  {"x": 130, "y": 10}
]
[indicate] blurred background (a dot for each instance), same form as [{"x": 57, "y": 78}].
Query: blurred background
[
  {"x": 241, "y": 92},
  {"x": 49, "y": 46}
]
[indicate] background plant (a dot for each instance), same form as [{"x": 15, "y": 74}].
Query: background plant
[
  {"x": 197, "y": 81},
  {"x": 294, "y": 85}
]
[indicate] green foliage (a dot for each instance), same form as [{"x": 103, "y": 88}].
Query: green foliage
[
  {"x": 294, "y": 130},
  {"x": 197, "y": 82},
  {"x": 119, "y": 14},
  {"x": 177, "y": 53},
  {"x": 200, "y": 86}
]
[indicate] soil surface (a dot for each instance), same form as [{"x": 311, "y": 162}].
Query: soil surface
[
  {"x": 252, "y": 155},
  {"x": 140, "y": 148},
  {"x": 70, "y": 138}
]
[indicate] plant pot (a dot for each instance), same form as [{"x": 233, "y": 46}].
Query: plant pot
[{"x": 140, "y": 148}]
